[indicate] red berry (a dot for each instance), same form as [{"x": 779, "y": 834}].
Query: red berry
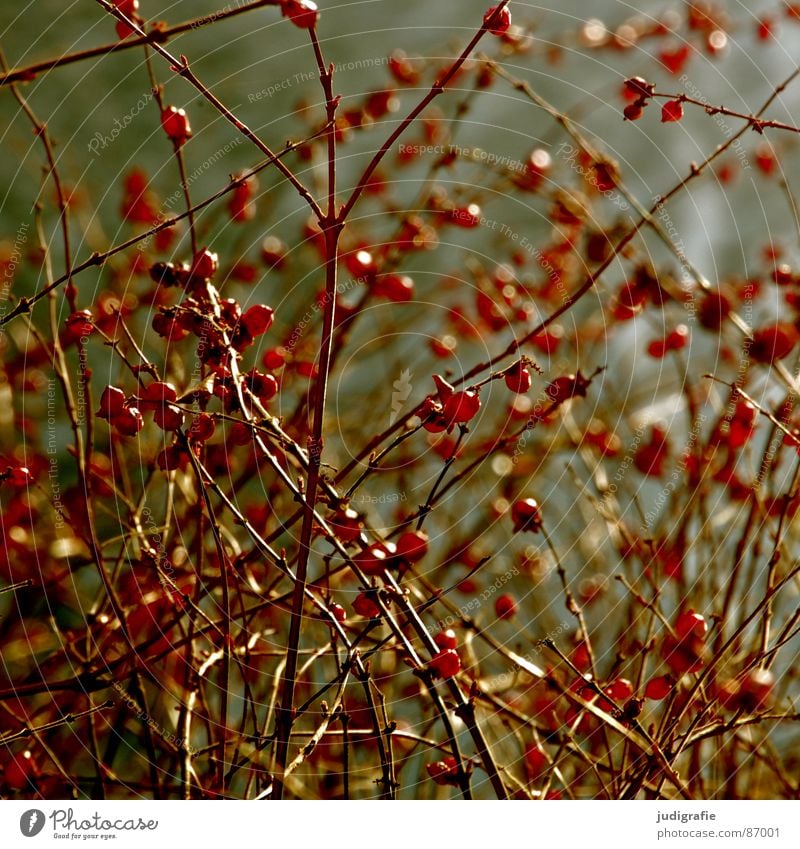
[
  {"x": 128, "y": 421},
  {"x": 112, "y": 402},
  {"x": 461, "y": 406},
  {"x": 505, "y": 606},
  {"x": 258, "y": 319},
  {"x": 671, "y": 111},
  {"x": 18, "y": 476},
  {"x": 467, "y": 216},
  {"x": 339, "y": 613},
  {"x": 774, "y": 342},
  {"x": 168, "y": 417},
  {"x": 535, "y": 759},
  {"x": 176, "y": 125},
  {"x": 497, "y": 22},
  {"x": 518, "y": 378},
  {"x": 526, "y": 516},
  {"x": 412, "y": 546},
  {"x": 19, "y": 771},
  {"x": 346, "y": 525},
  {"x": 275, "y": 357},
  {"x": 372, "y": 561},
  {"x": 155, "y": 396},
  {"x": 365, "y": 606},
  {"x": 690, "y": 624},
  {"x": 756, "y": 689},
  {"x": 620, "y": 690},
  {"x": 446, "y": 639},
  {"x": 79, "y": 324},
  {"x": 444, "y": 772},
  {"x": 202, "y": 428},
  {"x": 658, "y": 688},
  {"x": 445, "y": 664},
  {"x": 204, "y": 264},
  {"x": 396, "y": 287},
  {"x": 639, "y": 87},
  {"x": 566, "y": 387},
  {"x": 302, "y": 13},
  {"x": 677, "y": 338},
  {"x": 633, "y": 111}
]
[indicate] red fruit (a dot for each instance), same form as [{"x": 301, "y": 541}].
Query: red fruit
[
  {"x": 535, "y": 759},
  {"x": 79, "y": 324},
  {"x": 537, "y": 165},
  {"x": 19, "y": 771},
  {"x": 445, "y": 664},
  {"x": 176, "y": 125},
  {"x": 346, "y": 525},
  {"x": 202, "y": 428},
  {"x": 156, "y": 395},
  {"x": 518, "y": 378},
  {"x": 774, "y": 342},
  {"x": 275, "y": 357},
  {"x": 713, "y": 310},
  {"x": 674, "y": 60},
  {"x": 361, "y": 264},
  {"x": 691, "y": 624},
  {"x": 18, "y": 476},
  {"x": 658, "y": 688},
  {"x": 677, "y": 338},
  {"x": 657, "y": 348},
  {"x": 128, "y": 421},
  {"x": 168, "y": 417},
  {"x": 620, "y": 690},
  {"x": 396, "y": 287},
  {"x": 756, "y": 690},
  {"x": 372, "y": 561},
  {"x": 497, "y": 22},
  {"x": 112, "y": 403},
  {"x": 240, "y": 203},
  {"x": 302, "y": 13},
  {"x": 258, "y": 319},
  {"x": 365, "y": 606},
  {"x": 671, "y": 111},
  {"x": 461, "y": 406},
  {"x": 444, "y": 771},
  {"x": 467, "y": 216},
  {"x": 633, "y": 111},
  {"x": 566, "y": 387},
  {"x": 446, "y": 639},
  {"x": 339, "y": 613},
  {"x": 412, "y": 546},
  {"x": 403, "y": 69},
  {"x": 742, "y": 424},
  {"x": 639, "y": 87},
  {"x": 650, "y": 457},
  {"x": 204, "y": 264},
  {"x": 505, "y": 606},
  {"x": 526, "y": 516}
]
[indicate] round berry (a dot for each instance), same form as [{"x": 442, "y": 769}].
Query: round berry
[
  {"x": 175, "y": 124},
  {"x": 364, "y": 605},
  {"x": 446, "y": 639},
  {"x": 505, "y": 606},
  {"x": 497, "y": 21},
  {"x": 518, "y": 378},
  {"x": 412, "y": 546},
  {"x": 302, "y": 13},
  {"x": 445, "y": 664},
  {"x": 526, "y": 516}
]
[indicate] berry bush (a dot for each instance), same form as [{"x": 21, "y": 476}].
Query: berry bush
[{"x": 426, "y": 431}]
